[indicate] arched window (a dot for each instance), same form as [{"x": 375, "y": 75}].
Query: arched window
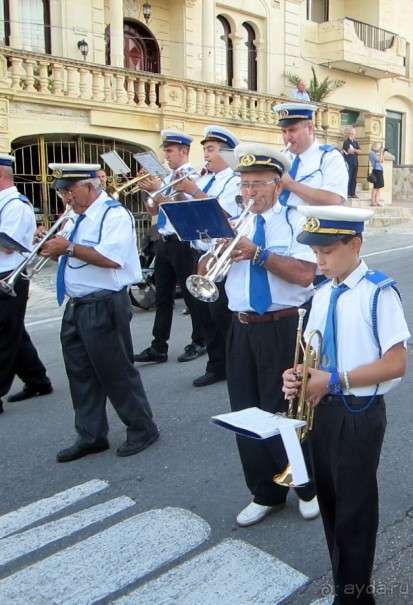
[
  {"x": 223, "y": 52},
  {"x": 248, "y": 58},
  {"x": 34, "y": 24},
  {"x": 140, "y": 48}
]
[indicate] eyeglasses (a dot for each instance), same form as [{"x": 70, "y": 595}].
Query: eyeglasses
[
  {"x": 244, "y": 185},
  {"x": 65, "y": 194}
]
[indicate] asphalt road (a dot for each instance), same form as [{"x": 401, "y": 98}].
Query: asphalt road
[{"x": 194, "y": 469}]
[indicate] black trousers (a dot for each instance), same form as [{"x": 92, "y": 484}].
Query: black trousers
[
  {"x": 98, "y": 354},
  {"x": 345, "y": 449},
  {"x": 257, "y": 356},
  {"x": 352, "y": 179},
  {"x": 18, "y": 356},
  {"x": 174, "y": 262},
  {"x": 216, "y": 319}
]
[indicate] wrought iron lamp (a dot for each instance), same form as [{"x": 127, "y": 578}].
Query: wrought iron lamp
[
  {"x": 147, "y": 12},
  {"x": 83, "y": 46}
]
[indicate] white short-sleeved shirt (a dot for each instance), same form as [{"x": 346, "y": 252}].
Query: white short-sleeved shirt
[
  {"x": 113, "y": 237},
  {"x": 17, "y": 221},
  {"x": 168, "y": 229},
  {"x": 356, "y": 344},
  {"x": 330, "y": 174},
  {"x": 280, "y": 238},
  {"x": 225, "y": 188}
]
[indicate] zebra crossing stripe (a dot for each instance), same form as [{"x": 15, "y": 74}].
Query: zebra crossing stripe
[
  {"x": 23, "y": 543},
  {"x": 232, "y": 572},
  {"x": 107, "y": 561},
  {"x": 22, "y": 517}
]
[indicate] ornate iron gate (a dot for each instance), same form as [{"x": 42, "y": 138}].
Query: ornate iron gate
[{"x": 32, "y": 176}]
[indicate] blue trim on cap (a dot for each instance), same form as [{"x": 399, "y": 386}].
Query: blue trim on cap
[
  {"x": 6, "y": 162},
  {"x": 266, "y": 160},
  {"x": 176, "y": 140},
  {"x": 221, "y": 136},
  {"x": 358, "y": 226},
  {"x": 295, "y": 114}
]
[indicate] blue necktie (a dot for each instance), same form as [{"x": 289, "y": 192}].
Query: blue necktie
[
  {"x": 260, "y": 293},
  {"x": 284, "y": 195},
  {"x": 209, "y": 184},
  {"x": 329, "y": 353},
  {"x": 60, "y": 277}
]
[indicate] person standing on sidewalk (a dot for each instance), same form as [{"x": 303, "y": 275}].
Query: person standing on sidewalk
[
  {"x": 175, "y": 260},
  {"x": 352, "y": 151},
  {"x": 18, "y": 356},
  {"x": 98, "y": 260}
]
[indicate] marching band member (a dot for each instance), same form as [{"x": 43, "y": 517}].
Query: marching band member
[
  {"x": 98, "y": 261},
  {"x": 360, "y": 317},
  {"x": 319, "y": 173},
  {"x": 18, "y": 355},
  {"x": 270, "y": 277},
  {"x": 175, "y": 260},
  {"x": 221, "y": 182}
]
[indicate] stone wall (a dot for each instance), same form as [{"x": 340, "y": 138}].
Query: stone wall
[{"x": 402, "y": 183}]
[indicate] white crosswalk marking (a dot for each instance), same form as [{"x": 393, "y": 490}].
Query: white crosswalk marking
[
  {"x": 108, "y": 561},
  {"x": 232, "y": 573},
  {"x": 17, "y": 520},
  {"x": 22, "y": 543}
]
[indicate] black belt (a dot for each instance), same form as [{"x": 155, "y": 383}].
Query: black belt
[
  {"x": 352, "y": 400},
  {"x": 169, "y": 238},
  {"x": 90, "y": 298},
  {"x": 252, "y": 318},
  {"x": 7, "y": 273}
]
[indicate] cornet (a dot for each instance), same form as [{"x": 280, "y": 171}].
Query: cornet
[
  {"x": 7, "y": 285},
  {"x": 130, "y": 187},
  {"x": 203, "y": 287},
  {"x": 197, "y": 173},
  {"x": 299, "y": 408}
]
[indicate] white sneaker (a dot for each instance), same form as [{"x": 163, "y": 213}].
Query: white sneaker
[
  {"x": 254, "y": 513},
  {"x": 309, "y": 510}
]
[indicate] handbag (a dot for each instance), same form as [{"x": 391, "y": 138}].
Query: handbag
[{"x": 372, "y": 178}]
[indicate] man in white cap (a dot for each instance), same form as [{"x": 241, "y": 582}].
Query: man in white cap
[
  {"x": 221, "y": 182},
  {"x": 98, "y": 260},
  {"x": 175, "y": 260},
  {"x": 363, "y": 356},
  {"x": 270, "y": 278},
  {"x": 18, "y": 355},
  {"x": 319, "y": 173}
]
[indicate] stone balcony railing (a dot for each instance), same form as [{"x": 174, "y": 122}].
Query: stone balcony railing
[{"x": 49, "y": 80}]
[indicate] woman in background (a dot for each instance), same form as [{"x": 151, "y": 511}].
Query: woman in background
[{"x": 376, "y": 157}]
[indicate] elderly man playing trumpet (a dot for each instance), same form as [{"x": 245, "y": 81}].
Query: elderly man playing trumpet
[{"x": 269, "y": 279}]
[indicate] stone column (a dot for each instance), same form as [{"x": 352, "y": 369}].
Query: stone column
[
  {"x": 15, "y": 34},
  {"x": 236, "y": 52},
  {"x": 117, "y": 58},
  {"x": 208, "y": 41}
]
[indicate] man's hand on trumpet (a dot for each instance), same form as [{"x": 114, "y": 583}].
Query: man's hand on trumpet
[
  {"x": 316, "y": 384},
  {"x": 245, "y": 250},
  {"x": 54, "y": 247},
  {"x": 150, "y": 184}
]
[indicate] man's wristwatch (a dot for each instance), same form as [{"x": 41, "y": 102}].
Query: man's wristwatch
[
  {"x": 70, "y": 250},
  {"x": 334, "y": 385}
]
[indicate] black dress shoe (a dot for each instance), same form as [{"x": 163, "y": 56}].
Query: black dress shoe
[
  {"x": 31, "y": 390},
  {"x": 207, "y": 379},
  {"x": 192, "y": 351},
  {"x": 128, "y": 449},
  {"x": 151, "y": 354},
  {"x": 79, "y": 451}
]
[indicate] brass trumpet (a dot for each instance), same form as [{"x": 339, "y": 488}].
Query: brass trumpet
[
  {"x": 130, "y": 187},
  {"x": 7, "y": 285},
  {"x": 300, "y": 408},
  {"x": 203, "y": 287},
  {"x": 196, "y": 173}
]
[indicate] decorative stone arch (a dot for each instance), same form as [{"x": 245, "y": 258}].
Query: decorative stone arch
[{"x": 141, "y": 49}]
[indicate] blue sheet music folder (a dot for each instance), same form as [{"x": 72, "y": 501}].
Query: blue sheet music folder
[{"x": 198, "y": 219}]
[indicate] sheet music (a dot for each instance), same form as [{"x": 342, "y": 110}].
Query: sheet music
[
  {"x": 256, "y": 423},
  {"x": 151, "y": 163},
  {"x": 295, "y": 454}
]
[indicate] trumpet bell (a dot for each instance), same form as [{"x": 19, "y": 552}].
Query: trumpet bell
[
  {"x": 202, "y": 288},
  {"x": 7, "y": 288},
  {"x": 286, "y": 478}
]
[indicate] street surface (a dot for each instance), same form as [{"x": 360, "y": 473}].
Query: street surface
[{"x": 159, "y": 527}]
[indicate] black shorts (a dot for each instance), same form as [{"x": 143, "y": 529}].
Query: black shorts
[{"x": 379, "y": 184}]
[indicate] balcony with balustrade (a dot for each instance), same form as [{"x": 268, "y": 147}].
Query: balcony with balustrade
[{"x": 358, "y": 47}]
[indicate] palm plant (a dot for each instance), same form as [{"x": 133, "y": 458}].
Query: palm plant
[{"x": 318, "y": 90}]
